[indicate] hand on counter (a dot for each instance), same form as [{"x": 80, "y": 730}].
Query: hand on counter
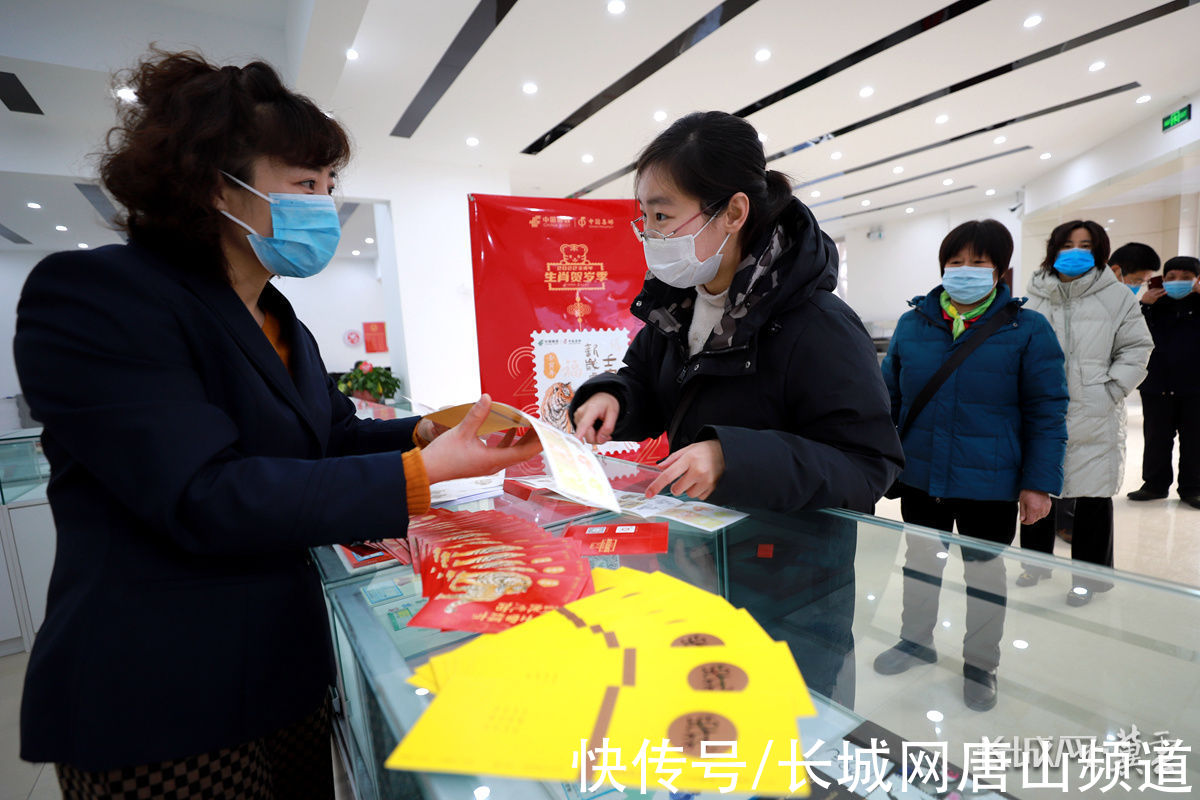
[
  {"x": 601, "y": 407},
  {"x": 695, "y": 470}
]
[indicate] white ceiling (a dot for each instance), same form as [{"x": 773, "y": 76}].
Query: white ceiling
[{"x": 65, "y": 50}]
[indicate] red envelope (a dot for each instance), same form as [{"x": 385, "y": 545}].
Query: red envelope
[
  {"x": 621, "y": 538},
  {"x": 460, "y": 612}
]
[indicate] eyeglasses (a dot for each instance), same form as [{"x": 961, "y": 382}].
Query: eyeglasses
[{"x": 643, "y": 233}]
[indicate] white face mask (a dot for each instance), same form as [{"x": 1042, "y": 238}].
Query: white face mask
[{"x": 673, "y": 260}]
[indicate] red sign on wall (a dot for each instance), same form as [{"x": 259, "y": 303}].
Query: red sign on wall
[
  {"x": 554, "y": 280},
  {"x": 375, "y": 337}
]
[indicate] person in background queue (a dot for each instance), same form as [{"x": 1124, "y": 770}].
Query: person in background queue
[
  {"x": 1171, "y": 391},
  {"x": 987, "y": 446},
  {"x": 1107, "y": 344}
]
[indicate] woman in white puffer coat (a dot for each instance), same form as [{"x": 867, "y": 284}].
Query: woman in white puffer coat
[{"x": 1107, "y": 344}]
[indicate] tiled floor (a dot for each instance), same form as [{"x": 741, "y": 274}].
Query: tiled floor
[{"x": 1160, "y": 539}]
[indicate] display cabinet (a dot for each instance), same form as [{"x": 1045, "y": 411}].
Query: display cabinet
[
  {"x": 27, "y": 538},
  {"x": 24, "y": 470},
  {"x": 1093, "y": 701}
]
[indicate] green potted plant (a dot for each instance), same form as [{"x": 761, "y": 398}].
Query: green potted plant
[{"x": 369, "y": 382}]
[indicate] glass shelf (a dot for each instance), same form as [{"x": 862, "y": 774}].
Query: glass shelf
[
  {"x": 24, "y": 471},
  {"x": 832, "y": 585}
]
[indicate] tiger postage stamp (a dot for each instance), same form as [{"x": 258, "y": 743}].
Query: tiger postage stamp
[{"x": 563, "y": 360}]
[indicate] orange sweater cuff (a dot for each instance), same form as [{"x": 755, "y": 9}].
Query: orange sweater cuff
[{"x": 417, "y": 483}]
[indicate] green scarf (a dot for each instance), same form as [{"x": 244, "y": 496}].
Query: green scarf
[{"x": 959, "y": 321}]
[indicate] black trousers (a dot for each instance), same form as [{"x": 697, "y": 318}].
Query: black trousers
[
  {"x": 1091, "y": 539},
  {"x": 1163, "y": 417},
  {"x": 925, "y": 561}
]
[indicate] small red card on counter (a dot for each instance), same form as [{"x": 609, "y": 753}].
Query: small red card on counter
[{"x": 620, "y": 538}]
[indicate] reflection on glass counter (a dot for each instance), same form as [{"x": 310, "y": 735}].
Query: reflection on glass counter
[
  {"x": 1078, "y": 688},
  {"x": 24, "y": 470}
]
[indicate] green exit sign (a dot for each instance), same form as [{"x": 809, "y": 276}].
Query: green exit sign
[{"x": 1178, "y": 118}]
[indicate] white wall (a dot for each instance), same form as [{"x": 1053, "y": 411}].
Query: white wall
[
  {"x": 14, "y": 269},
  {"x": 343, "y": 296},
  {"x": 433, "y": 263},
  {"x": 882, "y": 275},
  {"x": 1136, "y": 150}
]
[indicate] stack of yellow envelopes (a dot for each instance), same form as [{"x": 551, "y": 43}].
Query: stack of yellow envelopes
[{"x": 649, "y": 683}]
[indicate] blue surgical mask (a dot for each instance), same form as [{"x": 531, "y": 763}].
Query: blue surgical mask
[
  {"x": 1074, "y": 262},
  {"x": 1135, "y": 288},
  {"x": 1178, "y": 289},
  {"x": 968, "y": 284},
  {"x": 305, "y": 232}
]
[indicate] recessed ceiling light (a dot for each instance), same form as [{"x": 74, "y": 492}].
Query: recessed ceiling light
[
  {"x": 616, "y": 7},
  {"x": 660, "y": 116},
  {"x": 909, "y": 210},
  {"x": 587, "y": 158},
  {"x": 948, "y": 182},
  {"x": 762, "y": 137},
  {"x": 942, "y": 119},
  {"x": 1020, "y": 644},
  {"x": 369, "y": 240},
  {"x": 762, "y": 55},
  {"x": 1000, "y": 140},
  {"x": 896, "y": 170},
  {"x": 1033, "y": 20},
  {"x": 60, "y": 228},
  {"x": 126, "y": 94},
  {"x": 1111, "y": 221},
  {"x": 866, "y": 91},
  {"x": 1044, "y": 156},
  {"x": 529, "y": 87},
  {"x": 472, "y": 141},
  {"x": 82, "y": 245},
  {"x": 990, "y": 192},
  {"x": 835, "y": 155},
  {"x": 33, "y": 205},
  {"x": 1143, "y": 99},
  {"x": 351, "y": 54},
  {"x": 356, "y": 252},
  {"x": 814, "y": 193},
  {"x": 1096, "y": 66},
  {"x": 865, "y": 203}
]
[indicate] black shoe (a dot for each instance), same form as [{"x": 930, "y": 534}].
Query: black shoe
[
  {"x": 979, "y": 688},
  {"x": 1192, "y": 500},
  {"x": 1032, "y": 575},
  {"x": 903, "y": 655},
  {"x": 1145, "y": 493},
  {"x": 1079, "y": 596}
]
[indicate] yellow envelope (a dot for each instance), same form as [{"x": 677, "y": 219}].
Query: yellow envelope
[
  {"x": 762, "y": 728},
  {"x": 497, "y": 727},
  {"x": 501, "y": 417}
]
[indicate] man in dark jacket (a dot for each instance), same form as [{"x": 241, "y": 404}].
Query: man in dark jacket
[
  {"x": 788, "y": 383},
  {"x": 1171, "y": 391}
]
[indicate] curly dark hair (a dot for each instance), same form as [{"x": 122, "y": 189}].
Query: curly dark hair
[{"x": 192, "y": 119}]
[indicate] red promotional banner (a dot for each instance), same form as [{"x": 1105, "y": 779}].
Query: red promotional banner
[{"x": 554, "y": 280}]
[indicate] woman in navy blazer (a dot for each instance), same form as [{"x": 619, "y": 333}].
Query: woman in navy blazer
[{"x": 198, "y": 448}]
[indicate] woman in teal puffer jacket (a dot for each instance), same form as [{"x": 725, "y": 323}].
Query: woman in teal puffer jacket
[{"x": 988, "y": 445}]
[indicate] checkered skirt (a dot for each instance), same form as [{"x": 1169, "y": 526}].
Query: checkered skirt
[{"x": 293, "y": 762}]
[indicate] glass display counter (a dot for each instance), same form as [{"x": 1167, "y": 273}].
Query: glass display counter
[
  {"x": 1093, "y": 701},
  {"x": 24, "y": 471}
]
